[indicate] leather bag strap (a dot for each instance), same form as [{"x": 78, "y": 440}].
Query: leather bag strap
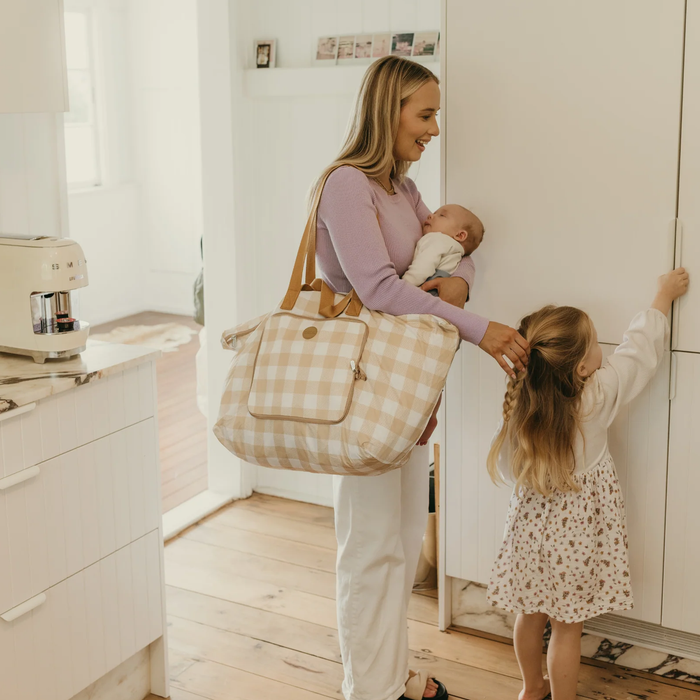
[{"x": 306, "y": 258}]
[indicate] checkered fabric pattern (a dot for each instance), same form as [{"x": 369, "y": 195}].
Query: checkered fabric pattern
[
  {"x": 405, "y": 358},
  {"x": 304, "y": 368}
]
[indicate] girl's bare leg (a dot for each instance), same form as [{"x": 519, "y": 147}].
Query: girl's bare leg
[
  {"x": 564, "y": 659},
  {"x": 527, "y": 637}
]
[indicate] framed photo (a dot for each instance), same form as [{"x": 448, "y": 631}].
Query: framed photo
[
  {"x": 265, "y": 53},
  {"x": 425, "y": 44},
  {"x": 363, "y": 48},
  {"x": 381, "y": 45},
  {"x": 346, "y": 48},
  {"x": 327, "y": 50},
  {"x": 437, "y": 48},
  {"x": 402, "y": 44}
]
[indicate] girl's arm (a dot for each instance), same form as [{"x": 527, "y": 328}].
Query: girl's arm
[
  {"x": 349, "y": 214},
  {"x": 634, "y": 362}
]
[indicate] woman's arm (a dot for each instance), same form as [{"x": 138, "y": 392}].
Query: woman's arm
[{"x": 347, "y": 210}]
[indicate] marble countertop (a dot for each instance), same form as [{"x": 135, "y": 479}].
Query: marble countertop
[{"x": 23, "y": 381}]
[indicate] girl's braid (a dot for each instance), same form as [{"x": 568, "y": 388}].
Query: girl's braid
[{"x": 510, "y": 400}]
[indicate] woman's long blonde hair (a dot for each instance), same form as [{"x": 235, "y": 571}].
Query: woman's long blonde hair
[
  {"x": 369, "y": 141},
  {"x": 541, "y": 405}
]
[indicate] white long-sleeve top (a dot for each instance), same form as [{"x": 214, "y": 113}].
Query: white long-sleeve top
[
  {"x": 620, "y": 380},
  {"x": 434, "y": 251}
]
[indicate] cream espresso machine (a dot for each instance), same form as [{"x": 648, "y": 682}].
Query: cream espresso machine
[{"x": 39, "y": 279}]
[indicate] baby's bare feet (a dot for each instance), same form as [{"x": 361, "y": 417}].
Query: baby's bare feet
[{"x": 536, "y": 693}]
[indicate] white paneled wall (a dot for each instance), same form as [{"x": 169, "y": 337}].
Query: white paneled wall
[
  {"x": 281, "y": 145},
  {"x": 297, "y": 25},
  {"x": 32, "y": 178},
  {"x": 165, "y": 96}
]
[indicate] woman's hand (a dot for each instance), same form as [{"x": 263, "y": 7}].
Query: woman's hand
[
  {"x": 500, "y": 340},
  {"x": 453, "y": 290}
]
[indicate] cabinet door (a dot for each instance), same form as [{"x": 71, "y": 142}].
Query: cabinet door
[
  {"x": 687, "y": 311},
  {"x": 561, "y": 133},
  {"x": 32, "y": 56},
  {"x": 475, "y": 511},
  {"x": 682, "y": 564}
]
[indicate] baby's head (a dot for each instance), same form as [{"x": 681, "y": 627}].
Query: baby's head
[{"x": 458, "y": 223}]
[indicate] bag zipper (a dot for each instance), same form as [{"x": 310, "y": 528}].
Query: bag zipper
[{"x": 359, "y": 374}]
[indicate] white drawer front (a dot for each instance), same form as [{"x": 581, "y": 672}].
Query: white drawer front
[
  {"x": 88, "y": 625},
  {"x": 79, "y": 508},
  {"x": 63, "y": 422}
]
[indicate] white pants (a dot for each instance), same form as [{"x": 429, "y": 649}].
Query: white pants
[{"x": 379, "y": 522}]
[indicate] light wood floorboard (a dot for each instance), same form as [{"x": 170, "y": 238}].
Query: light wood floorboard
[
  {"x": 182, "y": 429},
  {"x": 251, "y": 609}
]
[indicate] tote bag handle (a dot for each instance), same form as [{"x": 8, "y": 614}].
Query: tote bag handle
[{"x": 306, "y": 257}]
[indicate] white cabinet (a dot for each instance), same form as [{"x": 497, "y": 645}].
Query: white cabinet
[
  {"x": 552, "y": 138},
  {"x": 682, "y": 565},
  {"x": 32, "y": 56},
  {"x": 82, "y": 581},
  {"x": 687, "y": 326}
]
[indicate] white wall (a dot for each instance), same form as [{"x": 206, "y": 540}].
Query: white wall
[
  {"x": 281, "y": 144},
  {"x": 140, "y": 230},
  {"x": 32, "y": 175}
]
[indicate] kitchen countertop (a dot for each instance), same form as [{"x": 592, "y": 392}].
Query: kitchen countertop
[{"x": 23, "y": 381}]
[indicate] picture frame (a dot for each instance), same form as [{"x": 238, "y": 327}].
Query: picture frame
[
  {"x": 425, "y": 45},
  {"x": 363, "y": 48},
  {"x": 265, "y": 53},
  {"x": 346, "y": 49},
  {"x": 402, "y": 44},
  {"x": 381, "y": 45},
  {"x": 326, "y": 51}
]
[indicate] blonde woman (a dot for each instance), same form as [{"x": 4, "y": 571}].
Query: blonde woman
[
  {"x": 564, "y": 554},
  {"x": 370, "y": 219}
]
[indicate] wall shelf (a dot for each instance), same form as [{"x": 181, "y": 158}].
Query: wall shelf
[{"x": 316, "y": 81}]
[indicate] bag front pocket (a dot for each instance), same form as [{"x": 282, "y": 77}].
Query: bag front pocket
[{"x": 306, "y": 368}]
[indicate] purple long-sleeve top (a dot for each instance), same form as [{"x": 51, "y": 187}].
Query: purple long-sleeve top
[{"x": 365, "y": 241}]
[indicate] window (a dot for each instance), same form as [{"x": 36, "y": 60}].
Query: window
[{"x": 81, "y": 125}]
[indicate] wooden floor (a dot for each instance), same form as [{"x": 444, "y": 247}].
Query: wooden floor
[
  {"x": 182, "y": 428},
  {"x": 251, "y": 616}
]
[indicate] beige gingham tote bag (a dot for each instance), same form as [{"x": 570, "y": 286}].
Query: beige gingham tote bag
[{"x": 323, "y": 384}]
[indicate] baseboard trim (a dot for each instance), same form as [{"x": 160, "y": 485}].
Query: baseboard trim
[
  {"x": 295, "y": 496},
  {"x": 645, "y": 634},
  {"x": 192, "y": 511}
]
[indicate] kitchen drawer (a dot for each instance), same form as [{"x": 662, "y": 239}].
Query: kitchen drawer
[
  {"x": 76, "y": 417},
  {"x": 76, "y": 509},
  {"x": 85, "y": 626}
]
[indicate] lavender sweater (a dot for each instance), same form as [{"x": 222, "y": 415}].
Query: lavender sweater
[{"x": 354, "y": 252}]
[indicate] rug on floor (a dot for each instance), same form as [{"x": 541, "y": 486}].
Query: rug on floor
[{"x": 163, "y": 336}]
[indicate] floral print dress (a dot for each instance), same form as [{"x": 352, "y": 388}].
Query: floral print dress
[{"x": 565, "y": 555}]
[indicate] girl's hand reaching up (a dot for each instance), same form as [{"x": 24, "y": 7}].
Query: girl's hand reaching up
[{"x": 672, "y": 285}]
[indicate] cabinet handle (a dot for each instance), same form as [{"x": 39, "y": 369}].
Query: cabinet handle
[
  {"x": 24, "y": 608},
  {"x": 674, "y": 377},
  {"x": 14, "y": 412},
  {"x": 677, "y": 303},
  {"x": 18, "y": 478}
]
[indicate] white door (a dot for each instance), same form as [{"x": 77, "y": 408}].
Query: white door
[
  {"x": 475, "y": 509},
  {"x": 687, "y": 312},
  {"x": 561, "y": 132},
  {"x": 681, "y": 608}
]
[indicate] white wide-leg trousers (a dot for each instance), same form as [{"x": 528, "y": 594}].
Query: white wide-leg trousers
[{"x": 379, "y": 522}]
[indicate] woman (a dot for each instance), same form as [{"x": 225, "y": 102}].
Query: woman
[{"x": 369, "y": 221}]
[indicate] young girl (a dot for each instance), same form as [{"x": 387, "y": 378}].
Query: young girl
[{"x": 564, "y": 554}]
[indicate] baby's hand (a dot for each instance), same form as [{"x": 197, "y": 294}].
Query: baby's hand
[{"x": 674, "y": 284}]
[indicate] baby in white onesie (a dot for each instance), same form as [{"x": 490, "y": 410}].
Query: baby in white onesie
[{"x": 448, "y": 235}]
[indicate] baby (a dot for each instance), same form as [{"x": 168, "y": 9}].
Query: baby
[{"x": 448, "y": 235}]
